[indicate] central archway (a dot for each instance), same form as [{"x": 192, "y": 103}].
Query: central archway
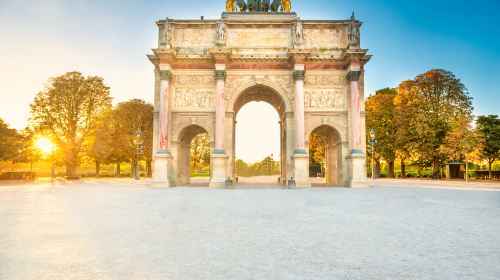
[{"x": 262, "y": 93}]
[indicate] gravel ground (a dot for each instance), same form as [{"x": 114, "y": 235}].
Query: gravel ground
[{"x": 110, "y": 229}]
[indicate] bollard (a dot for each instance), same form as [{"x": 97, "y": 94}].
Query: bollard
[{"x": 229, "y": 183}]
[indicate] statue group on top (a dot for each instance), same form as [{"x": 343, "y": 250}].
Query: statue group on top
[{"x": 283, "y": 6}]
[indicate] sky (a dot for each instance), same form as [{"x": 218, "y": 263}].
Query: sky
[{"x": 40, "y": 39}]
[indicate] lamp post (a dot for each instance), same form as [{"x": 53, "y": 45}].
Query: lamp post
[
  {"x": 372, "y": 143},
  {"x": 268, "y": 158},
  {"x": 138, "y": 152}
]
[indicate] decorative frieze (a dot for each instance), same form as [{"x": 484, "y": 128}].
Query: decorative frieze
[
  {"x": 326, "y": 38},
  {"x": 325, "y": 80},
  {"x": 194, "y": 80},
  {"x": 325, "y": 99}
]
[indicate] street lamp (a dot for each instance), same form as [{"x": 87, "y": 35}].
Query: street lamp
[
  {"x": 268, "y": 158},
  {"x": 372, "y": 143},
  {"x": 138, "y": 151}
]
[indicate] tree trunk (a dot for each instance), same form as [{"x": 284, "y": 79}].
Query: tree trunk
[
  {"x": 149, "y": 171},
  {"x": 377, "y": 169},
  {"x": 391, "y": 169},
  {"x": 403, "y": 169},
  {"x": 132, "y": 169},
  {"x": 71, "y": 170},
  {"x": 97, "y": 168},
  {"x": 118, "y": 169},
  {"x": 436, "y": 169},
  {"x": 489, "y": 170}
]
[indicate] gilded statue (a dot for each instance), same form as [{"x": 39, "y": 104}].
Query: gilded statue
[
  {"x": 286, "y": 6},
  {"x": 230, "y": 5}
]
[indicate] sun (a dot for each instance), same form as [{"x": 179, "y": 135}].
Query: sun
[{"x": 44, "y": 144}]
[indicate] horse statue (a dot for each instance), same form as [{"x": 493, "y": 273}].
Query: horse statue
[
  {"x": 252, "y": 5},
  {"x": 230, "y": 5},
  {"x": 265, "y": 5},
  {"x": 275, "y": 5},
  {"x": 242, "y": 5}
]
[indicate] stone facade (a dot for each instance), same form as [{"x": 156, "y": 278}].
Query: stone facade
[{"x": 309, "y": 70}]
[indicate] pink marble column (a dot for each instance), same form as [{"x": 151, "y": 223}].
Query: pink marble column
[
  {"x": 298, "y": 76},
  {"x": 220, "y": 77},
  {"x": 165, "y": 78},
  {"x": 353, "y": 76}
]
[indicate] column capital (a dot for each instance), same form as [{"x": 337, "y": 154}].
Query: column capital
[
  {"x": 220, "y": 75},
  {"x": 166, "y": 75},
  {"x": 353, "y": 76},
  {"x": 299, "y": 75}
]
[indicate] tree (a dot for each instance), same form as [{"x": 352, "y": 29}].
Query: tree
[
  {"x": 488, "y": 128},
  {"x": 101, "y": 143},
  {"x": 127, "y": 118},
  {"x": 70, "y": 106},
  {"x": 380, "y": 115},
  {"x": 427, "y": 107},
  {"x": 200, "y": 151},
  {"x": 9, "y": 142},
  {"x": 317, "y": 148}
]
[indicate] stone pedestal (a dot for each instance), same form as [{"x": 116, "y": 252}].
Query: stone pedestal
[
  {"x": 301, "y": 170},
  {"x": 162, "y": 171},
  {"x": 357, "y": 171},
  {"x": 218, "y": 164}
]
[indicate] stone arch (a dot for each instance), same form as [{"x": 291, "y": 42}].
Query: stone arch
[
  {"x": 313, "y": 125},
  {"x": 332, "y": 167},
  {"x": 180, "y": 128},
  {"x": 183, "y": 151},
  {"x": 250, "y": 83}
]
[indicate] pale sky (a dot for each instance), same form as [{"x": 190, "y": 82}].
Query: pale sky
[{"x": 40, "y": 39}]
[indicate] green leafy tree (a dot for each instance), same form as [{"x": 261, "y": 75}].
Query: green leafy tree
[
  {"x": 380, "y": 115},
  {"x": 70, "y": 106},
  {"x": 426, "y": 109},
  {"x": 488, "y": 128},
  {"x": 127, "y": 118},
  {"x": 100, "y": 144},
  {"x": 10, "y": 141},
  {"x": 200, "y": 152}
]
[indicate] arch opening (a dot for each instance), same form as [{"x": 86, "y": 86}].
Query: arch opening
[
  {"x": 193, "y": 156},
  {"x": 325, "y": 156},
  {"x": 259, "y": 150}
]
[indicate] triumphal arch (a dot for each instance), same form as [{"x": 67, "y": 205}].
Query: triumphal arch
[{"x": 310, "y": 71}]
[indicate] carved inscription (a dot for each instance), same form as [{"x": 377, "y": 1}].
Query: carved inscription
[
  {"x": 259, "y": 38},
  {"x": 194, "y": 98},
  {"x": 325, "y": 99},
  {"x": 325, "y": 38}
]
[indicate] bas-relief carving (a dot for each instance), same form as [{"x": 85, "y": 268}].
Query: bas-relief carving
[
  {"x": 325, "y": 38},
  {"x": 194, "y": 98},
  {"x": 259, "y": 38},
  {"x": 193, "y": 37},
  {"x": 325, "y": 98},
  {"x": 325, "y": 80},
  {"x": 194, "y": 81}
]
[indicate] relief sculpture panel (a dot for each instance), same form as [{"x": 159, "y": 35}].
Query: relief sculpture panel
[
  {"x": 192, "y": 37},
  {"x": 325, "y": 99},
  {"x": 325, "y": 38},
  {"x": 191, "y": 98},
  {"x": 325, "y": 80}
]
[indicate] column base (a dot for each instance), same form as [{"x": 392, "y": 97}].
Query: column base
[
  {"x": 301, "y": 170},
  {"x": 162, "y": 170},
  {"x": 357, "y": 171},
  {"x": 218, "y": 162}
]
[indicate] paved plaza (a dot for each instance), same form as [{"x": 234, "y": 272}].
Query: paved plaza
[{"x": 121, "y": 229}]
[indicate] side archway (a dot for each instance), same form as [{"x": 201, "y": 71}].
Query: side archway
[
  {"x": 184, "y": 143},
  {"x": 325, "y": 152}
]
